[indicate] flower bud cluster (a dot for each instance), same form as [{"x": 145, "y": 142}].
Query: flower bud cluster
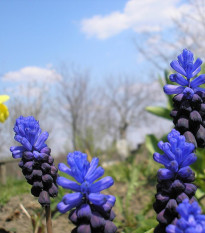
[
  {"x": 92, "y": 218},
  {"x": 36, "y": 162},
  {"x": 91, "y": 211},
  {"x": 175, "y": 180},
  {"x": 189, "y": 117},
  {"x": 189, "y": 103}
]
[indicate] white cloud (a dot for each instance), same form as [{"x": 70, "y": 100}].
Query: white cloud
[
  {"x": 140, "y": 16},
  {"x": 32, "y": 74}
]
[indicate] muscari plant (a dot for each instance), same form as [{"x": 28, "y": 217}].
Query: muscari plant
[
  {"x": 175, "y": 181},
  {"x": 36, "y": 162},
  {"x": 90, "y": 210}
]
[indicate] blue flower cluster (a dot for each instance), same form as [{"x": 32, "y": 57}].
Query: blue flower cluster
[
  {"x": 28, "y": 134},
  {"x": 178, "y": 155},
  {"x": 92, "y": 209},
  {"x": 36, "y": 162},
  {"x": 191, "y": 220},
  {"x": 185, "y": 66},
  {"x": 175, "y": 180}
]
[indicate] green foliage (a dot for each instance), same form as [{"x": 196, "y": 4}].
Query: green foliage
[
  {"x": 150, "y": 231},
  {"x": 159, "y": 111},
  {"x": 163, "y": 112},
  {"x": 134, "y": 177},
  {"x": 12, "y": 188}
]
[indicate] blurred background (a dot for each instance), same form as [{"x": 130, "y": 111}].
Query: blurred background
[{"x": 87, "y": 70}]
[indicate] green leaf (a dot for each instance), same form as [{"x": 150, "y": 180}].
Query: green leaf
[
  {"x": 199, "y": 193},
  {"x": 150, "y": 231},
  {"x": 151, "y": 143},
  {"x": 159, "y": 111}
]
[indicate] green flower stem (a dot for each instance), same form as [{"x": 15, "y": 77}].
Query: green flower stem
[{"x": 48, "y": 219}]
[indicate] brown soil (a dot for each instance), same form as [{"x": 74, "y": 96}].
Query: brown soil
[{"x": 14, "y": 220}]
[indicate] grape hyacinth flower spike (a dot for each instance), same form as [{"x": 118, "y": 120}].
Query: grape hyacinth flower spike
[
  {"x": 191, "y": 220},
  {"x": 189, "y": 102},
  {"x": 90, "y": 210},
  {"x": 175, "y": 180},
  {"x": 36, "y": 162}
]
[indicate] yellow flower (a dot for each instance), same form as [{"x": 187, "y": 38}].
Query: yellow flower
[{"x": 4, "y": 112}]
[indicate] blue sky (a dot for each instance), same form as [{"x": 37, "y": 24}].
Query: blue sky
[{"x": 44, "y": 33}]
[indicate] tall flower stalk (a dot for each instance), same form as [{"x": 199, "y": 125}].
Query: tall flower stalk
[
  {"x": 189, "y": 102},
  {"x": 175, "y": 205},
  {"x": 90, "y": 210},
  {"x": 36, "y": 162},
  {"x": 175, "y": 180}
]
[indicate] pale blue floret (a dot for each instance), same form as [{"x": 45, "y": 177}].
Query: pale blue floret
[
  {"x": 85, "y": 174},
  {"x": 185, "y": 67},
  {"x": 178, "y": 155},
  {"x": 191, "y": 220},
  {"x": 28, "y": 134}
]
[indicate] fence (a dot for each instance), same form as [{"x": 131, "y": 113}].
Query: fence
[{"x": 3, "y": 166}]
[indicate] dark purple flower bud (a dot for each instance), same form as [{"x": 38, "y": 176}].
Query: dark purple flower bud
[
  {"x": 195, "y": 118},
  {"x": 190, "y": 189},
  {"x": 160, "y": 203},
  {"x": 181, "y": 197},
  {"x": 28, "y": 166},
  {"x": 50, "y": 160},
  {"x": 27, "y": 156},
  {"x": 110, "y": 227},
  {"x": 29, "y": 178},
  {"x": 45, "y": 167},
  {"x": 44, "y": 198},
  {"x": 162, "y": 218},
  {"x": 171, "y": 207},
  {"x": 53, "y": 191},
  {"x": 47, "y": 179},
  {"x": 73, "y": 216},
  {"x": 112, "y": 215},
  {"x": 202, "y": 108},
  {"x": 97, "y": 221},
  {"x": 161, "y": 198},
  {"x": 182, "y": 124},
  {"x": 37, "y": 174},
  {"x": 36, "y": 188},
  {"x": 45, "y": 157},
  {"x": 196, "y": 99},
  {"x": 107, "y": 207},
  {"x": 177, "y": 186},
  {"x": 21, "y": 163},
  {"x": 185, "y": 106},
  {"x": 190, "y": 138},
  {"x": 178, "y": 98},
  {"x": 54, "y": 170},
  {"x": 200, "y": 135},
  {"x": 46, "y": 150},
  {"x": 84, "y": 228},
  {"x": 84, "y": 212},
  {"x": 173, "y": 113}
]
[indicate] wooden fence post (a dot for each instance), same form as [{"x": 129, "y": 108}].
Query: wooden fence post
[{"x": 2, "y": 173}]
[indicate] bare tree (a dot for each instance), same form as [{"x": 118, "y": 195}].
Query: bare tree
[
  {"x": 188, "y": 31},
  {"x": 75, "y": 96},
  {"x": 126, "y": 101}
]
